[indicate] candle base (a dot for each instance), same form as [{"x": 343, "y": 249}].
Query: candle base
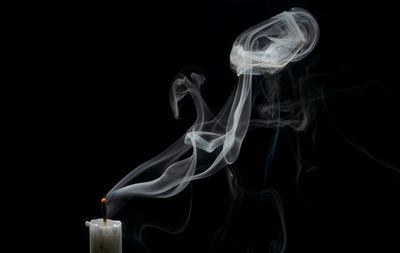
[{"x": 105, "y": 237}]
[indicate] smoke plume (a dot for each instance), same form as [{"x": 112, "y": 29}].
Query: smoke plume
[{"x": 215, "y": 140}]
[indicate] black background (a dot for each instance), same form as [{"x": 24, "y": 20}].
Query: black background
[{"x": 89, "y": 101}]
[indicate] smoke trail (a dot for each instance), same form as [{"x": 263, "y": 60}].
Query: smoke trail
[
  {"x": 214, "y": 141},
  {"x": 264, "y": 213},
  {"x": 269, "y": 46}
]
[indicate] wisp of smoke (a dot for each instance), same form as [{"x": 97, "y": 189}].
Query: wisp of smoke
[
  {"x": 271, "y": 45},
  {"x": 261, "y": 98},
  {"x": 214, "y": 141}
]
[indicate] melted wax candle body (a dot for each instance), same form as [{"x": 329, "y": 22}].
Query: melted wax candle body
[{"x": 105, "y": 237}]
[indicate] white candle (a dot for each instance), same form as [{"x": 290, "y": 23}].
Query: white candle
[{"x": 105, "y": 237}]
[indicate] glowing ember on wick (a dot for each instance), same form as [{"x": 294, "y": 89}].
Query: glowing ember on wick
[{"x": 104, "y": 210}]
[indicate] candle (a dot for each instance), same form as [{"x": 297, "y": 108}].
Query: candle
[{"x": 105, "y": 234}]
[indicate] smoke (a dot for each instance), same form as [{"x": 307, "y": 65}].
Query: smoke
[
  {"x": 267, "y": 95},
  {"x": 263, "y": 230},
  {"x": 269, "y": 46},
  {"x": 258, "y": 100},
  {"x": 214, "y": 141}
]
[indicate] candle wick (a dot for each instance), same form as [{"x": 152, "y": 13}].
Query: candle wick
[{"x": 104, "y": 210}]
